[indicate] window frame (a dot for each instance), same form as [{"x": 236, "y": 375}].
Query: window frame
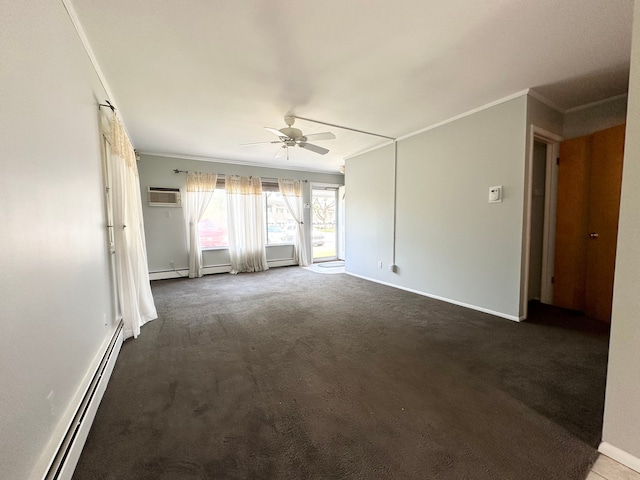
[{"x": 267, "y": 188}]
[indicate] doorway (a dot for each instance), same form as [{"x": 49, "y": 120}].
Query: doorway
[
  {"x": 589, "y": 185},
  {"x": 324, "y": 222},
  {"x": 541, "y": 218},
  {"x": 342, "y": 243},
  {"x": 538, "y": 195}
]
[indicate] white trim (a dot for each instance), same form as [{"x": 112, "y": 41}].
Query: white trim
[
  {"x": 546, "y": 134},
  {"x": 549, "y": 228},
  {"x": 237, "y": 162},
  {"x": 341, "y": 245},
  {"x": 468, "y": 113},
  {"x": 87, "y": 46},
  {"x": 514, "y": 318},
  {"x": 327, "y": 186},
  {"x": 620, "y": 456},
  {"x": 551, "y": 139},
  {"x": 596, "y": 103},
  {"x": 281, "y": 263},
  {"x": 546, "y": 101},
  {"x": 73, "y": 16},
  {"x": 166, "y": 274},
  {"x": 66, "y": 424},
  {"x": 211, "y": 269},
  {"x": 73, "y": 455},
  {"x": 367, "y": 150},
  {"x": 448, "y": 120}
]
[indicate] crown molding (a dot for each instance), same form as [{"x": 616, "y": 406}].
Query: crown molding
[
  {"x": 599, "y": 102},
  {"x": 236, "y": 162},
  {"x": 541, "y": 98},
  {"x": 448, "y": 120}
]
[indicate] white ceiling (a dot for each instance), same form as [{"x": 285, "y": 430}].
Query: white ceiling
[{"x": 198, "y": 78}]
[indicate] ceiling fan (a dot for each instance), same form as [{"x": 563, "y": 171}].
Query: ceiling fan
[{"x": 292, "y": 137}]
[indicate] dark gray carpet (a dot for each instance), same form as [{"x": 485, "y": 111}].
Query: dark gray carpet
[{"x": 288, "y": 374}]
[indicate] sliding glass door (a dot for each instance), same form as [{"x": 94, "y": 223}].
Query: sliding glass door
[{"x": 324, "y": 215}]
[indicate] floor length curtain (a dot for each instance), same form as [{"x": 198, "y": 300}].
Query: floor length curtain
[
  {"x": 134, "y": 290},
  {"x": 200, "y": 188},
  {"x": 291, "y": 191},
  {"x": 247, "y": 237}
]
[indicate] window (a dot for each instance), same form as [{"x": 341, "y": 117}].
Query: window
[
  {"x": 213, "y": 227},
  {"x": 279, "y": 223},
  {"x": 280, "y": 226}
]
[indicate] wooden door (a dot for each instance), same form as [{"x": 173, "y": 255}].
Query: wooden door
[
  {"x": 589, "y": 182},
  {"x": 572, "y": 223},
  {"x": 604, "y": 209}
]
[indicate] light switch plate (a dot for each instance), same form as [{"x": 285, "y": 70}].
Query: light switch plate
[{"x": 495, "y": 194}]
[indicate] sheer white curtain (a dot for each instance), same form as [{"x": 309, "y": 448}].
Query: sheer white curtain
[
  {"x": 245, "y": 206},
  {"x": 134, "y": 290},
  {"x": 200, "y": 188},
  {"x": 291, "y": 191}
]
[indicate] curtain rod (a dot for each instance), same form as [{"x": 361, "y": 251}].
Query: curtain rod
[
  {"x": 107, "y": 104},
  {"x": 250, "y": 176}
]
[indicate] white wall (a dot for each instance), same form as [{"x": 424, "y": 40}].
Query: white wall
[
  {"x": 164, "y": 226},
  {"x": 622, "y": 412},
  {"x": 55, "y": 301},
  {"x": 369, "y": 214},
  {"x": 544, "y": 116},
  {"x": 451, "y": 243}
]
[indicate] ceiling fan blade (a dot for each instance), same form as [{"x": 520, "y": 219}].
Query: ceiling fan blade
[
  {"x": 281, "y": 151},
  {"x": 313, "y": 148},
  {"x": 276, "y": 132},
  {"x": 321, "y": 136},
  {"x": 258, "y": 143}
]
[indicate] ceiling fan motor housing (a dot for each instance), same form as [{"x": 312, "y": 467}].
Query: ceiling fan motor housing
[
  {"x": 292, "y": 137},
  {"x": 291, "y": 132}
]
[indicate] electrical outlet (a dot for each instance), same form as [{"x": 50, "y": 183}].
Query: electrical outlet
[{"x": 379, "y": 263}]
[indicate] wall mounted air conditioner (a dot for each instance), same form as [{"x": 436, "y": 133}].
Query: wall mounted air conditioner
[{"x": 164, "y": 197}]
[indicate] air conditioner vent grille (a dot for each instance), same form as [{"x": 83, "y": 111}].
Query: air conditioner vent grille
[{"x": 164, "y": 197}]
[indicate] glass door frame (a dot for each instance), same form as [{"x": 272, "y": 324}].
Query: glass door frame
[{"x": 324, "y": 186}]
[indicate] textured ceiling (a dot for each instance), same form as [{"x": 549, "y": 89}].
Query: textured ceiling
[{"x": 198, "y": 78}]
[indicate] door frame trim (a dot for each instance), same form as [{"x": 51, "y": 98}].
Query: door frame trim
[
  {"x": 549, "y": 230},
  {"x": 325, "y": 186}
]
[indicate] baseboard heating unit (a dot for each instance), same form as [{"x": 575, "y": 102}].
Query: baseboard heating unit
[{"x": 68, "y": 454}]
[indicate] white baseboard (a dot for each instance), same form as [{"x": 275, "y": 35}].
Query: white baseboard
[
  {"x": 281, "y": 263},
  {"x": 65, "y": 457},
  {"x": 620, "y": 456},
  {"x": 513, "y": 318},
  {"x": 168, "y": 274},
  {"x": 184, "y": 272}
]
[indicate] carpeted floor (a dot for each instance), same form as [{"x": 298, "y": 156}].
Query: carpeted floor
[{"x": 287, "y": 374}]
